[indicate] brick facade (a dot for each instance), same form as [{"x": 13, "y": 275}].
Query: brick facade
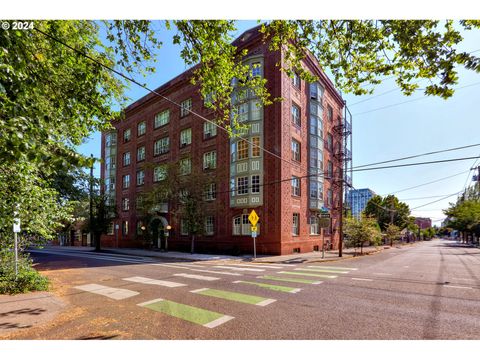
[{"x": 279, "y": 203}]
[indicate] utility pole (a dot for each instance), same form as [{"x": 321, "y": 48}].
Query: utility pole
[
  {"x": 91, "y": 201},
  {"x": 340, "y": 245}
]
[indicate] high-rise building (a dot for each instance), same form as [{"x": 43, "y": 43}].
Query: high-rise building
[
  {"x": 357, "y": 200},
  {"x": 307, "y": 131}
]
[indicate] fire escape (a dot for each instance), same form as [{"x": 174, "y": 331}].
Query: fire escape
[{"x": 343, "y": 154}]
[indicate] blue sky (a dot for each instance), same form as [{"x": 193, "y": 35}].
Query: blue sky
[{"x": 407, "y": 129}]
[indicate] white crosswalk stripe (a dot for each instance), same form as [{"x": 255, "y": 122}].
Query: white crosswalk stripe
[
  {"x": 144, "y": 280},
  {"x": 238, "y": 268},
  {"x": 113, "y": 293},
  {"x": 198, "y": 277},
  {"x": 259, "y": 266},
  {"x": 199, "y": 270}
]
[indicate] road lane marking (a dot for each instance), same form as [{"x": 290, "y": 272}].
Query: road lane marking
[
  {"x": 234, "y": 296},
  {"x": 294, "y": 280},
  {"x": 206, "y": 318},
  {"x": 361, "y": 279},
  {"x": 458, "y": 287},
  {"x": 307, "y": 274},
  {"x": 198, "y": 277},
  {"x": 237, "y": 268},
  {"x": 92, "y": 256},
  {"x": 386, "y": 274},
  {"x": 259, "y": 266},
  {"x": 192, "y": 265},
  {"x": 270, "y": 286},
  {"x": 144, "y": 280},
  {"x": 332, "y": 267},
  {"x": 406, "y": 266},
  {"x": 113, "y": 293},
  {"x": 324, "y": 270},
  {"x": 199, "y": 270}
]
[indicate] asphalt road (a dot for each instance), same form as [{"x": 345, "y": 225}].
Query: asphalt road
[{"x": 427, "y": 291}]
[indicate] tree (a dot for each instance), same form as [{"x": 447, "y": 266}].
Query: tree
[
  {"x": 388, "y": 210},
  {"x": 185, "y": 195},
  {"x": 465, "y": 217},
  {"x": 361, "y": 231},
  {"x": 393, "y": 233}
]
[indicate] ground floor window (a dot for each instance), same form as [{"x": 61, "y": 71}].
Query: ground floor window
[
  {"x": 209, "y": 225},
  {"x": 242, "y": 226},
  {"x": 296, "y": 224},
  {"x": 314, "y": 226},
  {"x": 183, "y": 227}
]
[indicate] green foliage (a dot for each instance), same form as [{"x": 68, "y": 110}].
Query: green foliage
[
  {"x": 386, "y": 209},
  {"x": 465, "y": 216},
  {"x": 359, "y": 232},
  {"x": 393, "y": 233},
  {"x": 428, "y": 233},
  {"x": 28, "y": 279}
]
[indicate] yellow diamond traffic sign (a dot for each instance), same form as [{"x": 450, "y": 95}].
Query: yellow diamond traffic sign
[{"x": 253, "y": 218}]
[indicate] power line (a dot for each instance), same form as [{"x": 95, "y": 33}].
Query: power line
[
  {"x": 421, "y": 198},
  {"x": 432, "y": 202},
  {"x": 427, "y": 183},
  {"x": 415, "y": 156},
  {"x": 416, "y": 164},
  {"x": 408, "y": 101}
]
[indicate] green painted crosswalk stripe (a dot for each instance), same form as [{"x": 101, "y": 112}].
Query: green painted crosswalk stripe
[
  {"x": 234, "y": 296},
  {"x": 332, "y": 267},
  {"x": 307, "y": 274},
  {"x": 270, "y": 286},
  {"x": 193, "y": 314},
  {"x": 324, "y": 270},
  {"x": 294, "y": 280}
]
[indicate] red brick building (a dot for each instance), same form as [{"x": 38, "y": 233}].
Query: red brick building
[
  {"x": 423, "y": 223},
  {"x": 306, "y": 130}
]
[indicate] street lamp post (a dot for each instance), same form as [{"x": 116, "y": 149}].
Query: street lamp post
[{"x": 167, "y": 234}]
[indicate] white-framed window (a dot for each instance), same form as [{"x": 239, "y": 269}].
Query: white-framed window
[
  {"x": 127, "y": 135},
  {"x": 125, "y": 204},
  {"x": 110, "y": 228},
  {"x": 255, "y": 184},
  {"x": 209, "y": 225},
  {"x": 126, "y": 181},
  {"x": 256, "y": 109},
  {"x": 140, "y": 177},
  {"x": 232, "y": 187},
  {"x": 141, "y": 128},
  {"x": 246, "y": 225},
  {"x": 124, "y": 228},
  {"x": 185, "y": 166},
  {"x": 159, "y": 173},
  {"x": 126, "y": 158},
  {"x": 329, "y": 141},
  {"x": 295, "y": 150},
  {"x": 256, "y": 69},
  {"x": 329, "y": 113},
  {"x": 295, "y": 186},
  {"x": 296, "y": 80},
  {"x": 314, "y": 190},
  {"x": 139, "y": 202},
  {"x": 185, "y": 137},
  {"x": 161, "y": 146},
  {"x": 314, "y": 228},
  {"x": 329, "y": 169},
  {"x": 162, "y": 118},
  {"x": 209, "y": 130},
  {"x": 242, "y": 185},
  {"x": 210, "y": 160},
  {"x": 183, "y": 227},
  {"x": 243, "y": 112},
  {"x": 141, "y": 153},
  {"x": 296, "y": 224},
  {"x": 255, "y": 146},
  {"x": 211, "y": 192},
  {"x": 329, "y": 197},
  {"x": 242, "y": 146},
  {"x": 186, "y": 106},
  {"x": 237, "y": 225},
  {"x": 296, "y": 115}
]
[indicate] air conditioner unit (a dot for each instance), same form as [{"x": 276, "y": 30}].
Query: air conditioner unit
[
  {"x": 208, "y": 135},
  {"x": 182, "y": 145},
  {"x": 206, "y": 167}
]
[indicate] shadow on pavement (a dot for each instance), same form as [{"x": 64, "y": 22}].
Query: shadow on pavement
[{"x": 26, "y": 311}]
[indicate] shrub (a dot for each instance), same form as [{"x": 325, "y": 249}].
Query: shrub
[{"x": 28, "y": 279}]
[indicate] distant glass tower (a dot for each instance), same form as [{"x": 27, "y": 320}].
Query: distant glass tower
[{"x": 357, "y": 200}]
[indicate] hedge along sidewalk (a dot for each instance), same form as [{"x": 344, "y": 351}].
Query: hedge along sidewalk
[{"x": 25, "y": 311}]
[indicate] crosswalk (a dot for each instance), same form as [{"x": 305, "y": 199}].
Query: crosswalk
[{"x": 259, "y": 278}]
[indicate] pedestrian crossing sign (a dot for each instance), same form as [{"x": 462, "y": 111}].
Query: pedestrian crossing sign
[{"x": 253, "y": 218}]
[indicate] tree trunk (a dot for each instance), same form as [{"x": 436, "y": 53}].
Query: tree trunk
[
  {"x": 97, "y": 241},
  {"x": 192, "y": 249}
]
